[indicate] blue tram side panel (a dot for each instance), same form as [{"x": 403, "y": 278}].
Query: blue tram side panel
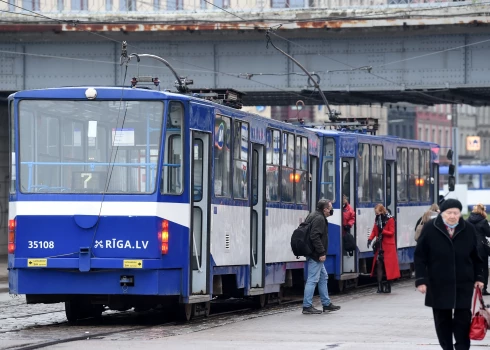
[
  {"x": 400, "y": 174},
  {"x": 153, "y": 198}
]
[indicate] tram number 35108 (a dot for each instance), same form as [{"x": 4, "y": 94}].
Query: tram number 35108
[{"x": 40, "y": 244}]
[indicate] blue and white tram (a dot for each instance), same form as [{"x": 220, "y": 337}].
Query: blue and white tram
[
  {"x": 135, "y": 198},
  {"x": 477, "y": 177},
  {"x": 401, "y": 174}
]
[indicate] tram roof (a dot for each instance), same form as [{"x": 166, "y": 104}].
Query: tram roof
[
  {"x": 380, "y": 138},
  {"x": 103, "y": 92},
  {"x": 114, "y": 93}
]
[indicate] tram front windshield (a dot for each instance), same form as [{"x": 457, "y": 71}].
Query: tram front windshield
[{"x": 89, "y": 146}]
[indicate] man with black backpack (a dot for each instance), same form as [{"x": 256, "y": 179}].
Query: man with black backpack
[{"x": 315, "y": 261}]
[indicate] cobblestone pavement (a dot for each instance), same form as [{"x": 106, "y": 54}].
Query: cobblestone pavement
[{"x": 28, "y": 324}]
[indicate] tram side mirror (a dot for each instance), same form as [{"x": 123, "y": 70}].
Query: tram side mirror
[
  {"x": 450, "y": 155},
  {"x": 451, "y": 182}
]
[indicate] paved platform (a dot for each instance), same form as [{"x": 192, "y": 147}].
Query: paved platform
[{"x": 367, "y": 321}]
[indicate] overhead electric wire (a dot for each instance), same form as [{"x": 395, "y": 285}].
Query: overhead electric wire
[
  {"x": 369, "y": 68},
  {"x": 383, "y": 78}
]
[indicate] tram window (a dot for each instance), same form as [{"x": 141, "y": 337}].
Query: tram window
[
  {"x": 388, "y": 185},
  {"x": 222, "y": 156},
  {"x": 12, "y": 147},
  {"x": 377, "y": 173},
  {"x": 485, "y": 181},
  {"x": 472, "y": 180},
  {"x": 298, "y": 152},
  {"x": 197, "y": 238},
  {"x": 363, "y": 173},
  {"x": 414, "y": 169},
  {"x": 255, "y": 178},
  {"x": 272, "y": 166},
  {"x": 287, "y": 168},
  {"x": 402, "y": 174},
  {"x": 290, "y": 151},
  {"x": 304, "y": 153},
  {"x": 328, "y": 171},
  {"x": 240, "y": 156},
  {"x": 424, "y": 181},
  {"x": 174, "y": 154},
  {"x": 301, "y": 182},
  {"x": 65, "y": 146},
  {"x": 197, "y": 160}
]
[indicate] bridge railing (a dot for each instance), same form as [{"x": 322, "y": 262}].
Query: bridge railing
[{"x": 112, "y": 8}]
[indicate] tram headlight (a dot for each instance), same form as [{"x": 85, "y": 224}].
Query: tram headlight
[{"x": 91, "y": 93}]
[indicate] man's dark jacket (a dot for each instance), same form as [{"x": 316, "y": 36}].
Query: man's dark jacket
[
  {"x": 318, "y": 234},
  {"x": 449, "y": 267}
]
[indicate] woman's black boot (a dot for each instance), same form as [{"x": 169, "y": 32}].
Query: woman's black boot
[
  {"x": 387, "y": 287},
  {"x": 380, "y": 287}
]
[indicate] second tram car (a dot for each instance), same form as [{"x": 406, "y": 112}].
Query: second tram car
[{"x": 400, "y": 174}]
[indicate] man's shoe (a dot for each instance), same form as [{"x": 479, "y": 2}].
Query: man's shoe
[
  {"x": 330, "y": 308},
  {"x": 311, "y": 311}
]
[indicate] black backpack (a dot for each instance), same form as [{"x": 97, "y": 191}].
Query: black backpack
[{"x": 300, "y": 240}]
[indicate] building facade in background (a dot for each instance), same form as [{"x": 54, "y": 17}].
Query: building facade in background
[
  {"x": 154, "y": 6},
  {"x": 435, "y": 123}
]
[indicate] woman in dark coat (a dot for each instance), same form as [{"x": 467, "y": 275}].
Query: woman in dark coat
[
  {"x": 478, "y": 218},
  {"x": 384, "y": 224},
  {"x": 448, "y": 268}
]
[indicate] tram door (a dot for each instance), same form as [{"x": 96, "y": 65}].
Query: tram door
[
  {"x": 200, "y": 212},
  {"x": 347, "y": 175},
  {"x": 313, "y": 182},
  {"x": 257, "y": 226},
  {"x": 390, "y": 187}
]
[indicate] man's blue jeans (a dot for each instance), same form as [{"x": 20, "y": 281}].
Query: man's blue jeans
[{"x": 316, "y": 274}]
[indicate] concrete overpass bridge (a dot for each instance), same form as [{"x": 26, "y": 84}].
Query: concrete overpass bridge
[{"x": 419, "y": 53}]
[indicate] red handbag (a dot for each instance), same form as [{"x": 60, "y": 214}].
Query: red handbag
[{"x": 479, "y": 321}]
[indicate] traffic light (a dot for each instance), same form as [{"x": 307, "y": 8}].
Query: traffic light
[{"x": 451, "y": 181}]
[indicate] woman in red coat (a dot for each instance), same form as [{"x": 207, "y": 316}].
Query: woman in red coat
[{"x": 384, "y": 231}]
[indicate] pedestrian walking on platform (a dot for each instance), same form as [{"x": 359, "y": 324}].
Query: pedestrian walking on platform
[
  {"x": 448, "y": 268},
  {"x": 317, "y": 274},
  {"x": 385, "y": 255},
  {"x": 478, "y": 218}
]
